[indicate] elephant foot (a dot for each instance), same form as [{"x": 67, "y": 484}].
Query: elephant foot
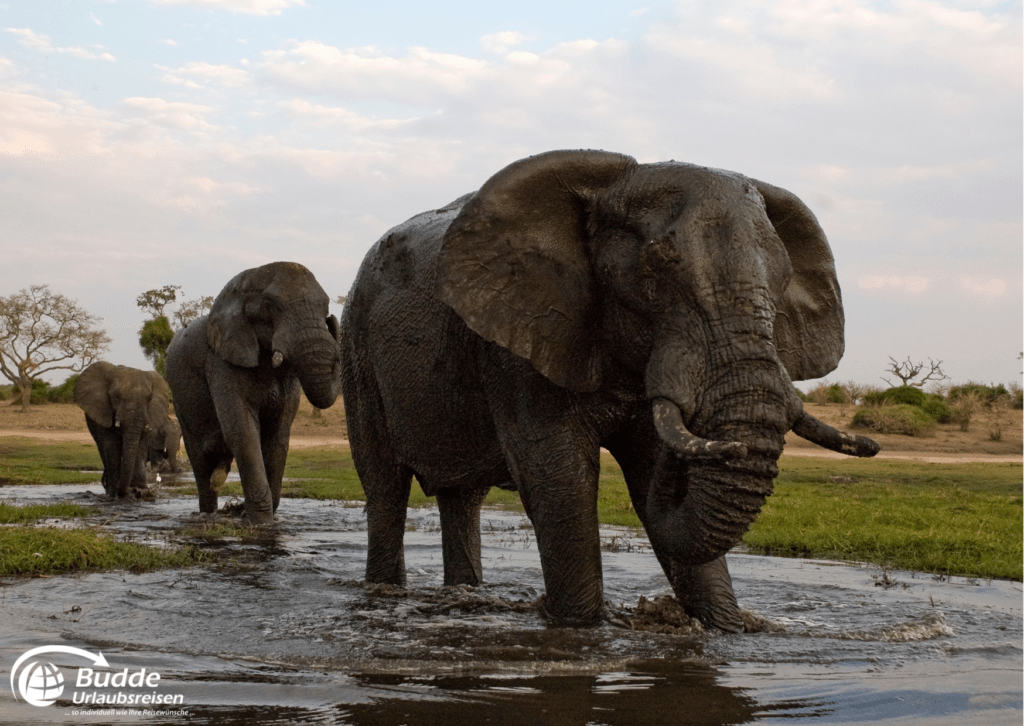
[
  {"x": 706, "y": 593},
  {"x": 563, "y": 621}
]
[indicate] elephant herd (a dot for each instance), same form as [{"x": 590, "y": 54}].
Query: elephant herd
[{"x": 579, "y": 301}]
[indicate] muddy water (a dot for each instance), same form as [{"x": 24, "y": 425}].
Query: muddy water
[{"x": 285, "y": 632}]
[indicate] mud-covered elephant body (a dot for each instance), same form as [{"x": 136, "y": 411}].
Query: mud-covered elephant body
[
  {"x": 237, "y": 375},
  {"x": 126, "y": 411},
  {"x": 580, "y": 300}
]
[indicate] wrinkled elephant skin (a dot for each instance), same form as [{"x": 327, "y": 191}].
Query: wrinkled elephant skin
[
  {"x": 237, "y": 375},
  {"x": 581, "y": 300}
]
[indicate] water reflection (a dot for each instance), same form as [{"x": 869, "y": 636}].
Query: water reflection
[{"x": 285, "y": 631}]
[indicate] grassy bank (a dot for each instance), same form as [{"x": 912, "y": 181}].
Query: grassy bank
[
  {"x": 951, "y": 519},
  {"x": 32, "y": 550},
  {"x": 25, "y": 460}
]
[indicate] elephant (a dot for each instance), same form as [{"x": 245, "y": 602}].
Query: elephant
[
  {"x": 237, "y": 373},
  {"x": 126, "y": 410},
  {"x": 581, "y": 300},
  {"x": 165, "y": 459}
]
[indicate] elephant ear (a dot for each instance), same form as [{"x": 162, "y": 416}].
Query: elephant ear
[
  {"x": 809, "y": 323},
  {"x": 229, "y": 330},
  {"x": 514, "y": 263},
  {"x": 92, "y": 392}
]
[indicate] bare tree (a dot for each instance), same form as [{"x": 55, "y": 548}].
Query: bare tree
[
  {"x": 40, "y": 332},
  {"x": 908, "y": 371}
]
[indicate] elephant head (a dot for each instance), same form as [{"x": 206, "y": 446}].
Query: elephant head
[
  {"x": 132, "y": 406},
  {"x": 278, "y": 314},
  {"x": 706, "y": 292}
]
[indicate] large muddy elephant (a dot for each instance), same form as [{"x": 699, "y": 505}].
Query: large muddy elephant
[
  {"x": 126, "y": 411},
  {"x": 581, "y": 300},
  {"x": 237, "y": 373}
]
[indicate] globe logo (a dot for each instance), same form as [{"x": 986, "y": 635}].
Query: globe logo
[{"x": 41, "y": 683}]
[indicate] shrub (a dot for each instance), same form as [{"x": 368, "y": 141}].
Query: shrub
[
  {"x": 987, "y": 394},
  {"x": 935, "y": 406},
  {"x": 835, "y": 394},
  {"x": 801, "y": 395},
  {"x": 6, "y": 392},
  {"x": 1016, "y": 396},
  {"x": 65, "y": 392},
  {"x": 964, "y": 406},
  {"x": 901, "y": 418},
  {"x": 898, "y": 395}
]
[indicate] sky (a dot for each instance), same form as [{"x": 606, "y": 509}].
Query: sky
[{"x": 146, "y": 143}]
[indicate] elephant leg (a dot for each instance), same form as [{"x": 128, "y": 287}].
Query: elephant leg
[
  {"x": 211, "y": 470},
  {"x": 705, "y": 592},
  {"x": 460, "y": 534},
  {"x": 105, "y": 444},
  {"x": 275, "y": 432},
  {"x": 241, "y": 431},
  {"x": 387, "y": 488}
]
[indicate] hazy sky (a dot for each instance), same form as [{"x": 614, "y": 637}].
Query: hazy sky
[{"x": 154, "y": 142}]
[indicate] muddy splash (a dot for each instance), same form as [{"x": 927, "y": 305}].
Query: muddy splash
[{"x": 284, "y": 630}]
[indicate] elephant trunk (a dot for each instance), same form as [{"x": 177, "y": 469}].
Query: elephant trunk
[
  {"x": 316, "y": 357},
  {"x": 131, "y": 428},
  {"x": 741, "y": 420}
]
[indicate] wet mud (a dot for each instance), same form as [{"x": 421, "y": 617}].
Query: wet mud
[{"x": 283, "y": 630}]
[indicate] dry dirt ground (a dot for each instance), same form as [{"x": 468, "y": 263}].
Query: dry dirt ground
[{"x": 67, "y": 422}]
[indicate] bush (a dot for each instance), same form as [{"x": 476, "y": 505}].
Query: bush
[
  {"x": 6, "y": 392},
  {"x": 935, "y": 406},
  {"x": 899, "y": 418},
  {"x": 64, "y": 393},
  {"x": 899, "y": 395},
  {"x": 835, "y": 394},
  {"x": 987, "y": 394},
  {"x": 801, "y": 395}
]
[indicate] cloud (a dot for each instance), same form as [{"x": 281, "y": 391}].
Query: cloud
[
  {"x": 501, "y": 42},
  {"x": 221, "y": 74},
  {"x": 246, "y": 7},
  {"x": 42, "y": 43}
]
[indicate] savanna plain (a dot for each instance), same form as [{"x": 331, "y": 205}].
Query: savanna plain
[{"x": 947, "y": 503}]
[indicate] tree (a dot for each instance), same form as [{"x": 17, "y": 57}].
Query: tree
[
  {"x": 907, "y": 371},
  {"x": 157, "y": 332},
  {"x": 41, "y": 331}
]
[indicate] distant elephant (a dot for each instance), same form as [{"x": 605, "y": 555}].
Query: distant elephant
[
  {"x": 165, "y": 459},
  {"x": 126, "y": 412},
  {"x": 236, "y": 376},
  {"x": 581, "y": 300}
]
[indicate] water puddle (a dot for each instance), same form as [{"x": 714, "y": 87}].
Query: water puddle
[{"x": 283, "y": 630}]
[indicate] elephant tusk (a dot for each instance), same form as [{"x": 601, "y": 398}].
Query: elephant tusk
[
  {"x": 278, "y": 359},
  {"x": 668, "y": 421},
  {"x": 817, "y": 432}
]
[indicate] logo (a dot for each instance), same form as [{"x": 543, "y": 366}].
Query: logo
[{"x": 41, "y": 682}]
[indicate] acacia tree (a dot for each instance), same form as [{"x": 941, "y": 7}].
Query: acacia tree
[
  {"x": 157, "y": 332},
  {"x": 41, "y": 331}
]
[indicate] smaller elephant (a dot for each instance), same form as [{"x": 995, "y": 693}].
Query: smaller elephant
[
  {"x": 237, "y": 374},
  {"x": 126, "y": 411},
  {"x": 165, "y": 459}
]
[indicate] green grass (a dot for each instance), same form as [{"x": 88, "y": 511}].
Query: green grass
[
  {"x": 954, "y": 519},
  {"x": 28, "y": 550},
  {"x": 27, "y": 461},
  {"x": 11, "y": 514}
]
